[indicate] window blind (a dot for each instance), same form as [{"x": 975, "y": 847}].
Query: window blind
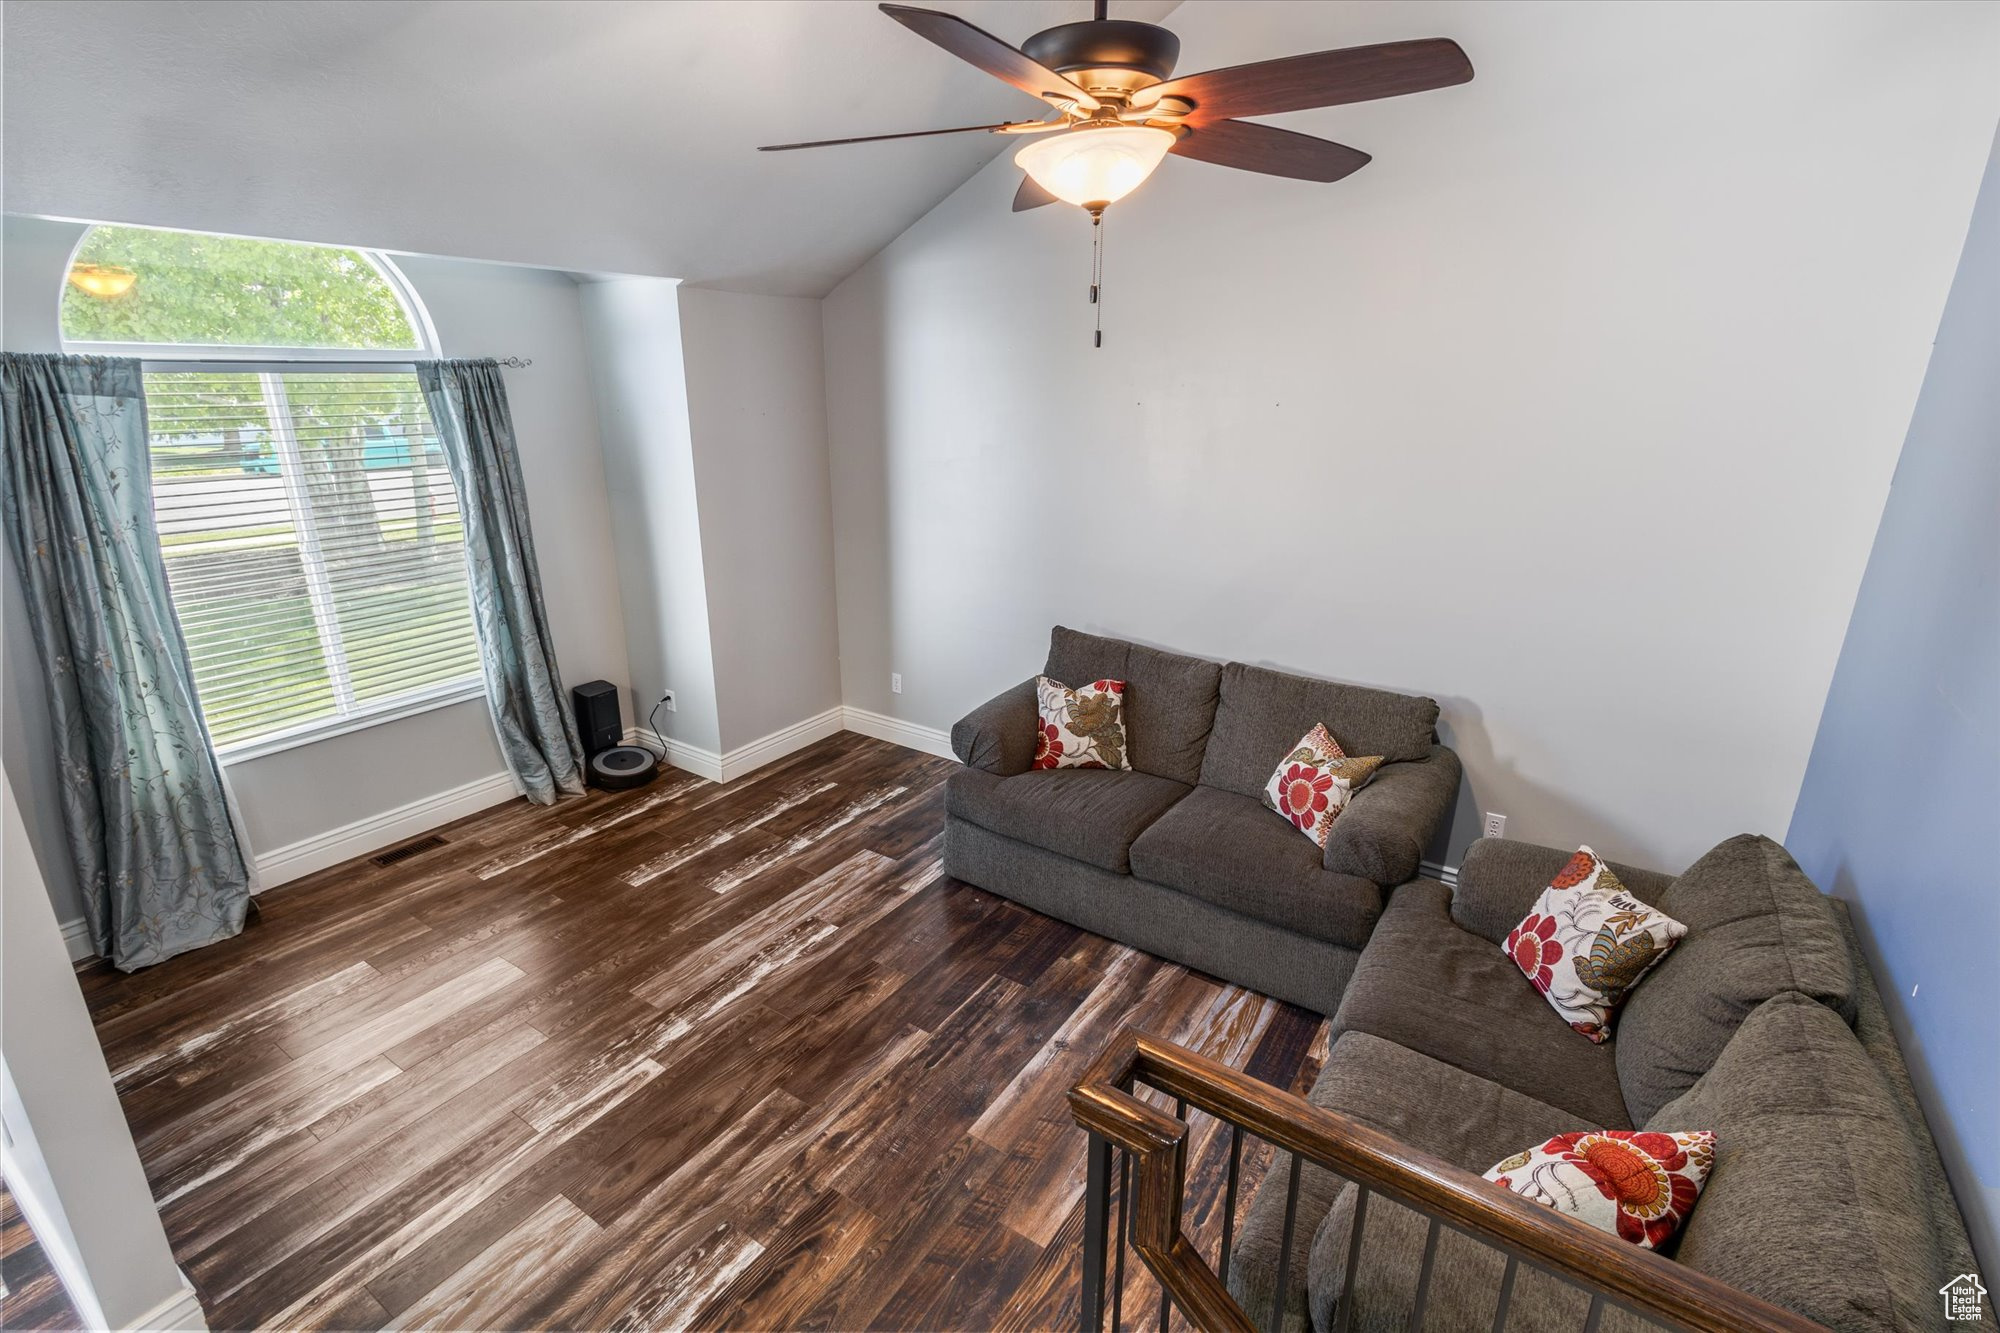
[{"x": 313, "y": 544}]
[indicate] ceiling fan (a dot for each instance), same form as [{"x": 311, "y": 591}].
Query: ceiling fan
[{"x": 1118, "y": 110}]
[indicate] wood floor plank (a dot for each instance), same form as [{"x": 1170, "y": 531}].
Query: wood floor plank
[
  {"x": 31, "y": 1294},
  {"x": 314, "y": 1258},
  {"x": 696, "y": 1055},
  {"x": 506, "y": 1274},
  {"x": 681, "y": 1211},
  {"x": 904, "y": 1239},
  {"x": 179, "y": 1042},
  {"x": 782, "y": 1282},
  {"x": 256, "y": 1100},
  {"x": 381, "y": 1246},
  {"x": 690, "y": 1282}
]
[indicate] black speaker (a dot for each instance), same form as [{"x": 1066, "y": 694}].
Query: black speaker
[{"x": 597, "y": 720}]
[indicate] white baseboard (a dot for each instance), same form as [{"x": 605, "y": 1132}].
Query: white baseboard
[
  {"x": 688, "y": 758},
  {"x": 283, "y": 864},
  {"x": 746, "y": 758},
  {"x": 733, "y": 764},
  {"x": 76, "y": 939},
  {"x": 177, "y": 1314},
  {"x": 898, "y": 732},
  {"x": 302, "y": 858}
]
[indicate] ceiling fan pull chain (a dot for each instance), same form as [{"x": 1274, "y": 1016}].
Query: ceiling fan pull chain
[{"x": 1097, "y": 274}]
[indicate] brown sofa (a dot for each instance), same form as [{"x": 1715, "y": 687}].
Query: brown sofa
[
  {"x": 1179, "y": 856},
  {"x": 1763, "y": 1025}
]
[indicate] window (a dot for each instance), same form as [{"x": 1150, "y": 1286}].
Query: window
[{"x": 311, "y": 533}]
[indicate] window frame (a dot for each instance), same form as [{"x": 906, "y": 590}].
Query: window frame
[
  {"x": 424, "y": 699},
  {"x": 233, "y": 358},
  {"x": 399, "y": 286}
]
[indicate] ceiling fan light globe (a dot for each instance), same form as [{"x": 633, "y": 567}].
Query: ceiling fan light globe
[
  {"x": 106, "y": 282},
  {"x": 1094, "y": 165}
]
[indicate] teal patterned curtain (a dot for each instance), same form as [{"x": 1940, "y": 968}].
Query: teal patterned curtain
[
  {"x": 523, "y": 685},
  {"x": 143, "y": 799}
]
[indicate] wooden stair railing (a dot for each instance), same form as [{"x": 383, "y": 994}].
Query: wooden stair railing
[{"x": 1154, "y": 1145}]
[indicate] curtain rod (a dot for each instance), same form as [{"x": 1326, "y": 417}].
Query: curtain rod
[{"x": 512, "y": 362}]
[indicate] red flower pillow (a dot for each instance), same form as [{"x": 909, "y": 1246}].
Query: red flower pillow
[
  {"x": 1313, "y": 782},
  {"x": 1587, "y": 942},
  {"x": 1080, "y": 728},
  {"x": 1639, "y": 1185}
]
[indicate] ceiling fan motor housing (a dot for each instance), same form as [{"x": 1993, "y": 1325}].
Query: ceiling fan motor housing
[{"x": 1106, "y": 55}]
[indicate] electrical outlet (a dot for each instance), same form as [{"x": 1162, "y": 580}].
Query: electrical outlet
[
  {"x": 895, "y": 682},
  {"x": 667, "y": 702},
  {"x": 1495, "y": 827}
]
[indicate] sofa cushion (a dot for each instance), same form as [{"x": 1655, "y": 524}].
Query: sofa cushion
[
  {"x": 1092, "y": 815},
  {"x": 1468, "y": 1121},
  {"x": 1267, "y": 959},
  {"x": 1229, "y": 850},
  {"x": 1426, "y": 984},
  {"x": 1169, "y": 699},
  {"x": 1432, "y": 1106},
  {"x": 1756, "y": 928},
  {"x": 1814, "y": 1200},
  {"x": 1263, "y": 713}
]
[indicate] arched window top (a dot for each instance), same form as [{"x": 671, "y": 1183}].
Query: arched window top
[{"x": 161, "y": 292}]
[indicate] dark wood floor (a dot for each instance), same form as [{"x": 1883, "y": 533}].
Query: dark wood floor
[
  {"x": 689, "y": 1056},
  {"x": 33, "y": 1297}
]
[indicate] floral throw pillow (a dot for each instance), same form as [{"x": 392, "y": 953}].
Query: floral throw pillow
[
  {"x": 1313, "y": 782},
  {"x": 1639, "y": 1185},
  {"x": 1587, "y": 942},
  {"x": 1081, "y": 728}
]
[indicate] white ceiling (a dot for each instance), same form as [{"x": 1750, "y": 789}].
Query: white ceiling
[{"x": 605, "y": 137}]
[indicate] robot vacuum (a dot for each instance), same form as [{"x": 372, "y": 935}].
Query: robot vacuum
[{"x": 622, "y": 766}]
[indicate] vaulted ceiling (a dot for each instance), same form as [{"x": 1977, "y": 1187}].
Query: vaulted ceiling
[{"x": 615, "y": 136}]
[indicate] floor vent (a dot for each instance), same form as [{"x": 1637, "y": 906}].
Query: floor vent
[{"x": 407, "y": 850}]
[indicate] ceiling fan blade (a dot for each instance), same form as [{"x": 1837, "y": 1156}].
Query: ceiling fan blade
[
  {"x": 1031, "y": 195},
  {"x": 1266, "y": 148},
  {"x": 1323, "y": 78},
  {"x": 1004, "y": 127},
  {"x": 979, "y": 47}
]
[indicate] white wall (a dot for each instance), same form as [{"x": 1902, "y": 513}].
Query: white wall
[
  {"x": 634, "y": 331},
  {"x": 757, "y": 414},
  {"x": 70, "y": 1156},
  {"x": 1575, "y": 409},
  {"x": 715, "y": 448},
  {"x": 304, "y": 793}
]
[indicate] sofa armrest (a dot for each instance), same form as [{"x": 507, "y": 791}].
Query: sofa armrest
[
  {"x": 1382, "y": 833},
  {"x": 999, "y": 735},
  {"x": 1499, "y": 879}
]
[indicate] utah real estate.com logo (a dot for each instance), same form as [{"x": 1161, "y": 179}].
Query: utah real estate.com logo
[{"x": 1963, "y": 1298}]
